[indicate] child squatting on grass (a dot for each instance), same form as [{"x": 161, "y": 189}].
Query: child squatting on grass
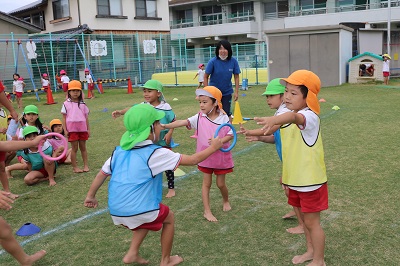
[
  {"x": 275, "y": 100},
  {"x": 303, "y": 163},
  {"x": 205, "y": 122},
  {"x": 135, "y": 187},
  {"x": 153, "y": 95}
]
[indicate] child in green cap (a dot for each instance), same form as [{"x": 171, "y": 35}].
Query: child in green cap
[
  {"x": 153, "y": 95},
  {"x": 135, "y": 187},
  {"x": 274, "y": 93}
]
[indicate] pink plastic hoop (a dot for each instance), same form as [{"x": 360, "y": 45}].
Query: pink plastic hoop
[{"x": 65, "y": 142}]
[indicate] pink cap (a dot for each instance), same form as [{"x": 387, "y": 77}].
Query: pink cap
[
  {"x": 63, "y": 72},
  {"x": 44, "y": 75},
  {"x": 201, "y": 65},
  {"x": 86, "y": 69},
  {"x": 21, "y": 78}
]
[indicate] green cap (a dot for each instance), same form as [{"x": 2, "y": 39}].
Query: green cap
[
  {"x": 138, "y": 121},
  {"x": 153, "y": 84},
  {"x": 29, "y": 130},
  {"x": 274, "y": 87},
  {"x": 31, "y": 109}
]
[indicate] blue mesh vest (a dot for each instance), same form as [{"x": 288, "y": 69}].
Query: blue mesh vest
[{"x": 133, "y": 189}]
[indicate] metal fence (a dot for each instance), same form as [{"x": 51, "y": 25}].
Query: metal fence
[{"x": 109, "y": 56}]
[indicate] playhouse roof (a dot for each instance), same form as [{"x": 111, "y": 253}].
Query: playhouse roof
[{"x": 364, "y": 54}]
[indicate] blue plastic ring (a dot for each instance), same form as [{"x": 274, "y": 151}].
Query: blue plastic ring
[{"x": 234, "y": 136}]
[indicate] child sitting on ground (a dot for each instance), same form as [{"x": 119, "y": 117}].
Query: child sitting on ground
[
  {"x": 58, "y": 144},
  {"x": 39, "y": 168},
  {"x": 135, "y": 187}
]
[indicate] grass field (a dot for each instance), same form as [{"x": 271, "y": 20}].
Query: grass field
[{"x": 362, "y": 225}]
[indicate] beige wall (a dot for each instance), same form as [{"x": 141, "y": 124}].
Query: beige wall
[
  {"x": 6, "y": 28},
  {"x": 88, "y": 12}
]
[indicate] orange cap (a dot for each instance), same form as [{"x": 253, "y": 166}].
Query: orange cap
[
  {"x": 74, "y": 85},
  {"x": 212, "y": 92},
  {"x": 311, "y": 81},
  {"x": 55, "y": 122}
]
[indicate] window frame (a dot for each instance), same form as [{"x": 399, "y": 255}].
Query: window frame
[
  {"x": 109, "y": 15},
  {"x": 63, "y": 16},
  {"x": 146, "y": 16}
]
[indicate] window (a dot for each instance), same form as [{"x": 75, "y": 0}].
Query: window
[
  {"x": 242, "y": 9},
  {"x": 276, "y": 9},
  {"x": 184, "y": 16},
  {"x": 109, "y": 7},
  {"x": 146, "y": 8},
  {"x": 60, "y": 9}
]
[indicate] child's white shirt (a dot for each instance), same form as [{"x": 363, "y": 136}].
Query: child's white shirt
[
  {"x": 201, "y": 74},
  {"x": 45, "y": 82},
  {"x": 19, "y": 85},
  {"x": 64, "y": 79},
  {"x": 89, "y": 78},
  {"x": 385, "y": 66}
]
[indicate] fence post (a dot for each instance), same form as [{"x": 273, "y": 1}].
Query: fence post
[
  {"x": 176, "y": 75},
  {"x": 256, "y": 70}
]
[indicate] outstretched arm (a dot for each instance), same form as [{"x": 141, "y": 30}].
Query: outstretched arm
[
  {"x": 91, "y": 201},
  {"x": 118, "y": 113},
  {"x": 286, "y": 118},
  {"x": 216, "y": 144},
  {"x": 175, "y": 124},
  {"x": 20, "y": 145}
]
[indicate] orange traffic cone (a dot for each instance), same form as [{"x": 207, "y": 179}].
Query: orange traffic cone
[
  {"x": 50, "y": 99},
  {"x": 237, "y": 115},
  {"x": 130, "y": 90},
  {"x": 100, "y": 84}
]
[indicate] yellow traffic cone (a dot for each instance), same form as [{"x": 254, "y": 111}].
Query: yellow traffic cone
[{"x": 237, "y": 115}]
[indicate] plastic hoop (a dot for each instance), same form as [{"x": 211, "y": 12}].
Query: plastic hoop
[
  {"x": 234, "y": 136},
  {"x": 65, "y": 142}
]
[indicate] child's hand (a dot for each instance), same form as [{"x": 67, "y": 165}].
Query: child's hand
[
  {"x": 3, "y": 130},
  {"x": 5, "y": 200},
  {"x": 242, "y": 130},
  {"x": 47, "y": 128},
  {"x": 90, "y": 202},
  {"x": 116, "y": 114},
  {"x": 266, "y": 121},
  {"x": 168, "y": 138},
  {"x": 14, "y": 115},
  {"x": 37, "y": 140},
  {"x": 163, "y": 127},
  {"x": 216, "y": 143}
]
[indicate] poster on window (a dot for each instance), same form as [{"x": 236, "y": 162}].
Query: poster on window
[
  {"x": 98, "y": 48},
  {"x": 149, "y": 47}
]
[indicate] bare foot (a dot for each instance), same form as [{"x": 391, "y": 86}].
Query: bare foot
[
  {"x": 302, "y": 258},
  {"x": 86, "y": 169},
  {"x": 77, "y": 170},
  {"x": 296, "y": 230},
  {"x": 171, "y": 193},
  {"x": 30, "y": 260},
  {"x": 52, "y": 183},
  {"x": 173, "y": 260},
  {"x": 128, "y": 259},
  {"x": 8, "y": 173},
  {"x": 210, "y": 217},
  {"x": 289, "y": 215},
  {"x": 226, "y": 206}
]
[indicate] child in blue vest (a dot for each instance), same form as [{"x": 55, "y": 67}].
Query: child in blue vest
[
  {"x": 135, "y": 187},
  {"x": 153, "y": 95},
  {"x": 303, "y": 171}
]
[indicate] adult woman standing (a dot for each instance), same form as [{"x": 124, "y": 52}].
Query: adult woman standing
[{"x": 221, "y": 68}]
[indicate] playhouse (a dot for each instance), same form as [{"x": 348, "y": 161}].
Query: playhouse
[{"x": 365, "y": 67}]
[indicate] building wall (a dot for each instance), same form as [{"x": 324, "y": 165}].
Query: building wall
[
  {"x": 319, "y": 51},
  {"x": 88, "y": 12},
  {"x": 6, "y": 28}
]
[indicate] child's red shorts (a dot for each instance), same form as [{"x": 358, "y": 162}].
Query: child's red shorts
[
  {"x": 91, "y": 86},
  {"x": 312, "y": 201},
  {"x": 65, "y": 87},
  {"x": 157, "y": 224},
  {"x": 386, "y": 74},
  {"x": 215, "y": 171},
  {"x": 75, "y": 136},
  {"x": 18, "y": 94}
]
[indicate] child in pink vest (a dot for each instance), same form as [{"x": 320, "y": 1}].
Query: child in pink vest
[{"x": 220, "y": 163}]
